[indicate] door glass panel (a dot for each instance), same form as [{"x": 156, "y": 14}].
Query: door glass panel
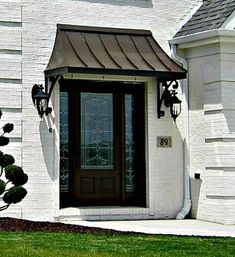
[
  {"x": 130, "y": 143},
  {"x": 97, "y": 131},
  {"x": 64, "y": 143}
]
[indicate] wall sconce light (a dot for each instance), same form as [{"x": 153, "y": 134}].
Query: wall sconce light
[
  {"x": 41, "y": 97},
  {"x": 169, "y": 98},
  {"x": 41, "y": 100}
]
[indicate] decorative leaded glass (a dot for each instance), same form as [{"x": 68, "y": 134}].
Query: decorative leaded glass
[
  {"x": 97, "y": 131},
  {"x": 64, "y": 143},
  {"x": 130, "y": 143}
]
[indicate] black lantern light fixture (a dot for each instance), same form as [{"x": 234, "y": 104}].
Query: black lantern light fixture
[
  {"x": 41, "y": 96},
  {"x": 169, "y": 98},
  {"x": 41, "y": 100}
]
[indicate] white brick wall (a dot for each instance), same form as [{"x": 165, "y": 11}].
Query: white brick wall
[
  {"x": 165, "y": 164},
  {"x": 28, "y": 28},
  {"x": 11, "y": 81},
  {"x": 10, "y": 11},
  {"x": 212, "y": 129}
]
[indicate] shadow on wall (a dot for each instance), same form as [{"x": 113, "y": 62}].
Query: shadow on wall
[
  {"x": 230, "y": 117},
  {"x": 223, "y": 120},
  {"x": 136, "y": 3},
  {"x": 47, "y": 141}
]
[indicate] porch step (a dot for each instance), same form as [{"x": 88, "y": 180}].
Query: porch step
[{"x": 103, "y": 213}]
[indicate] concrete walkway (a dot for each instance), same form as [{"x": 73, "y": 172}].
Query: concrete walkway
[{"x": 170, "y": 227}]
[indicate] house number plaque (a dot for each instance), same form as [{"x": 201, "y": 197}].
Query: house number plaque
[{"x": 164, "y": 142}]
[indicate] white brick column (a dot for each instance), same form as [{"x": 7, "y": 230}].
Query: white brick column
[{"x": 211, "y": 60}]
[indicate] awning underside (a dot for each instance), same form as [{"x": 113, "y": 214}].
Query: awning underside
[{"x": 110, "y": 51}]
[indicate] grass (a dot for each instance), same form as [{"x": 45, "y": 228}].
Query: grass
[{"x": 40, "y": 244}]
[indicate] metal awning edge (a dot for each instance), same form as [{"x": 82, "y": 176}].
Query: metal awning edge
[{"x": 164, "y": 75}]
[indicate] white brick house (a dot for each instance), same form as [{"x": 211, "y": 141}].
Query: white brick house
[{"x": 202, "y": 139}]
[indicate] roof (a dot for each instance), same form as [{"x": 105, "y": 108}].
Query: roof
[
  {"x": 98, "y": 50},
  {"x": 211, "y": 15}
]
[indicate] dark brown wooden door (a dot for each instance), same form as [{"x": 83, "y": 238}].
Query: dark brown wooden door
[
  {"x": 107, "y": 144},
  {"x": 97, "y": 175}
]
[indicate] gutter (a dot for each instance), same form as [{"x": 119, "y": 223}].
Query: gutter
[
  {"x": 187, "y": 203},
  {"x": 204, "y": 38}
]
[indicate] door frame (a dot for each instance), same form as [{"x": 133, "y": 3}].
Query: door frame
[{"x": 118, "y": 88}]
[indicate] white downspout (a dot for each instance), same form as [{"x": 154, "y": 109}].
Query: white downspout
[{"x": 186, "y": 165}]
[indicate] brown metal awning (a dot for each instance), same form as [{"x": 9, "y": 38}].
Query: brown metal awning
[{"x": 96, "y": 50}]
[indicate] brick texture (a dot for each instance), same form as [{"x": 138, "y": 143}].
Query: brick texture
[{"x": 29, "y": 29}]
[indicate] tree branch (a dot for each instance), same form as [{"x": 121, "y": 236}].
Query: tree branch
[
  {"x": 1, "y": 171},
  {"x": 4, "y": 207}
]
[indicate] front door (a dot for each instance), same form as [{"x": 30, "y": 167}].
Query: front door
[{"x": 106, "y": 134}]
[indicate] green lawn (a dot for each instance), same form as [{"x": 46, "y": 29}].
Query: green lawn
[{"x": 35, "y": 244}]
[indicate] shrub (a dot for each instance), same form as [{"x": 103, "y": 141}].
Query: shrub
[
  {"x": 14, "y": 195},
  {"x": 16, "y": 175},
  {"x": 6, "y": 159},
  {"x": 2, "y": 186},
  {"x": 4, "y": 140},
  {"x": 7, "y": 128},
  {"x": 11, "y": 191}
]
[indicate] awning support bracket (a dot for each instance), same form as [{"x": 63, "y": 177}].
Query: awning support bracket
[{"x": 53, "y": 81}]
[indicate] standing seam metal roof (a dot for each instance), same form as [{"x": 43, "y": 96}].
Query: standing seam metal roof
[
  {"x": 110, "y": 51},
  {"x": 211, "y": 15}
]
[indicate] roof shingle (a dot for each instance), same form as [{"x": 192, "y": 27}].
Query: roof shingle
[{"x": 211, "y": 15}]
